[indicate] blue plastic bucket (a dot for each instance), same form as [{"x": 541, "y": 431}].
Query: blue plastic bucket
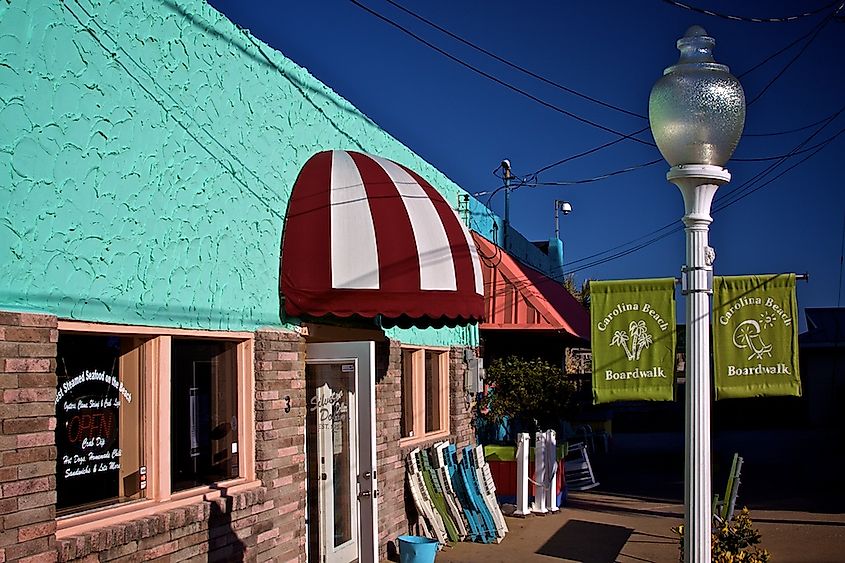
[{"x": 414, "y": 549}]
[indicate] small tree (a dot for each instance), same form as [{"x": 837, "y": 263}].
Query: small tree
[
  {"x": 582, "y": 294},
  {"x": 533, "y": 392}
]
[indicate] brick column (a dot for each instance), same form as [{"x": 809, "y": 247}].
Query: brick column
[
  {"x": 280, "y": 409},
  {"x": 27, "y": 437},
  {"x": 393, "y": 519},
  {"x": 461, "y": 405}
]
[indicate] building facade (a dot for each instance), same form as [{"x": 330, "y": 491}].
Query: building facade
[{"x": 167, "y": 393}]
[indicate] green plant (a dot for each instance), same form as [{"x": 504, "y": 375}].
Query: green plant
[
  {"x": 534, "y": 392},
  {"x": 734, "y": 541}
]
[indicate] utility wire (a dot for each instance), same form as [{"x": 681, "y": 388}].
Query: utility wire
[
  {"x": 600, "y": 177},
  {"x": 747, "y": 192},
  {"x": 801, "y": 51},
  {"x": 789, "y": 154},
  {"x": 227, "y": 166},
  {"x": 812, "y": 34},
  {"x": 513, "y": 65},
  {"x": 498, "y": 80},
  {"x": 787, "y": 132},
  {"x": 673, "y": 225},
  {"x": 748, "y": 19},
  {"x": 776, "y": 53},
  {"x": 745, "y": 186},
  {"x": 740, "y": 193},
  {"x": 676, "y": 229}
]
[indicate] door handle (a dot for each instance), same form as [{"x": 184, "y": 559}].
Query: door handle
[{"x": 364, "y": 494}]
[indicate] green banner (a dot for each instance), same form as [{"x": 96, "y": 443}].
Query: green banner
[
  {"x": 755, "y": 336},
  {"x": 633, "y": 340}
]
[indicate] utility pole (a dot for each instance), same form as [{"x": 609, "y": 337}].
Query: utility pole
[{"x": 506, "y": 169}]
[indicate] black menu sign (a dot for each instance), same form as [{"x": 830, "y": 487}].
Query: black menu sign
[{"x": 88, "y": 403}]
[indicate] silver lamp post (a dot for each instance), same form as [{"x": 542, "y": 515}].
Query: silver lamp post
[{"x": 697, "y": 112}]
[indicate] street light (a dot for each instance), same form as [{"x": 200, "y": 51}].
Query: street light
[{"x": 697, "y": 111}]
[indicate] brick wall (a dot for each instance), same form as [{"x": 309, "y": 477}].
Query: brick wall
[
  {"x": 224, "y": 529},
  {"x": 27, "y": 437},
  {"x": 280, "y": 438},
  {"x": 260, "y": 524},
  {"x": 397, "y": 514}
]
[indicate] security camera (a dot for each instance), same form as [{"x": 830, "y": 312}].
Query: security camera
[
  {"x": 566, "y": 207},
  {"x": 506, "y": 164}
]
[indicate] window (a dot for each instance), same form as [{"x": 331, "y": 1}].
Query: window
[
  {"x": 142, "y": 415},
  {"x": 98, "y": 409},
  {"x": 203, "y": 415},
  {"x": 425, "y": 393}
]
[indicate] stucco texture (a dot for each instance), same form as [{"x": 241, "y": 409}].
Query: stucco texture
[{"x": 147, "y": 152}]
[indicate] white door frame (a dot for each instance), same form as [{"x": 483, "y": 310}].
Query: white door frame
[{"x": 363, "y": 355}]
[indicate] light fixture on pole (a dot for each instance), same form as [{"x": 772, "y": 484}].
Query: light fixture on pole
[
  {"x": 566, "y": 208},
  {"x": 697, "y": 112}
]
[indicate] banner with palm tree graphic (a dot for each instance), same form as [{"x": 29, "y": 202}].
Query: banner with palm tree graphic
[
  {"x": 633, "y": 340},
  {"x": 755, "y": 336}
]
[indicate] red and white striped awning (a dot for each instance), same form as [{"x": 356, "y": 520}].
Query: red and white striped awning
[{"x": 367, "y": 236}]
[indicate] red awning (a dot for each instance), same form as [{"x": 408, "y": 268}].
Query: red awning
[
  {"x": 367, "y": 236},
  {"x": 519, "y": 297}
]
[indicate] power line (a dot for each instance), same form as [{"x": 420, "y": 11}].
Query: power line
[
  {"x": 676, "y": 228},
  {"x": 745, "y": 186},
  {"x": 776, "y": 53},
  {"x": 782, "y": 19},
  {"x": 600, "y": 177},
  {"x": 227, "y": 166},
  {"x": 622, "y": 136},
  {"x": 789, "y": 154},
  {"x": 748, "y": 192},
  {"x": 498, "y": 80},
  {"x": 513, "y": 65},
  {"x": 740, "y": 193},
  {"x": 788, "y": 131},
  {"x": 801, "y": 51},
  {"x": 813, "y": 32}
]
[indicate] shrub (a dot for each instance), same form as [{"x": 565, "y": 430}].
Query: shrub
[{"x": 734, "y": 541}]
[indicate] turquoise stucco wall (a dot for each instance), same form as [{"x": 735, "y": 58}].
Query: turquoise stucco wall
[{"x": 147, "y": 152}]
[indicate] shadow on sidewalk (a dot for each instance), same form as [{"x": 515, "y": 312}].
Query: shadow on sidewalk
[{"x": 589, "y": 542}]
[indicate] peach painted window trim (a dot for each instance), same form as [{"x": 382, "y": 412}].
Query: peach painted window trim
[
  {"x": 425, "y": 394},
  {"x": 155, "y": 352}
]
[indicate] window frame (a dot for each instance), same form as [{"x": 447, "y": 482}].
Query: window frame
[
  {"x": 156, "y": 429},
  {"x": 417, "y": 400}
]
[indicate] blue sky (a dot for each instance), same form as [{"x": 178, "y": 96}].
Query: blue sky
[{"x": 612, "y": 51}]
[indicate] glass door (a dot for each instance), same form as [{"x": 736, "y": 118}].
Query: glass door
[
  {"x": 340, "y": 445},
  {"x": 331, "y": 408}
]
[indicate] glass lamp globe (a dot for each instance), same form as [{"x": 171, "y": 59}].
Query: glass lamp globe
[{"x": 697, "y": 108}]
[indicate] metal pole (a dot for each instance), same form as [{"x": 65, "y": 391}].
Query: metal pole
[
  {"x": 507, "y": 220},
  {"x": 698, "y": 184},
  {"x": 557, "y": 223}
]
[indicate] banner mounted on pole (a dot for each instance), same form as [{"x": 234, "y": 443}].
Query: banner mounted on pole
[
  {"x": 755, "y": 336},
  {"x": 633, "y": 340}
]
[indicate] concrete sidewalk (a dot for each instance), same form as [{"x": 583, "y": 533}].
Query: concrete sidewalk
[
  {"x": 797, "y": 503},
  {"x": 596, "y": 527}
]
